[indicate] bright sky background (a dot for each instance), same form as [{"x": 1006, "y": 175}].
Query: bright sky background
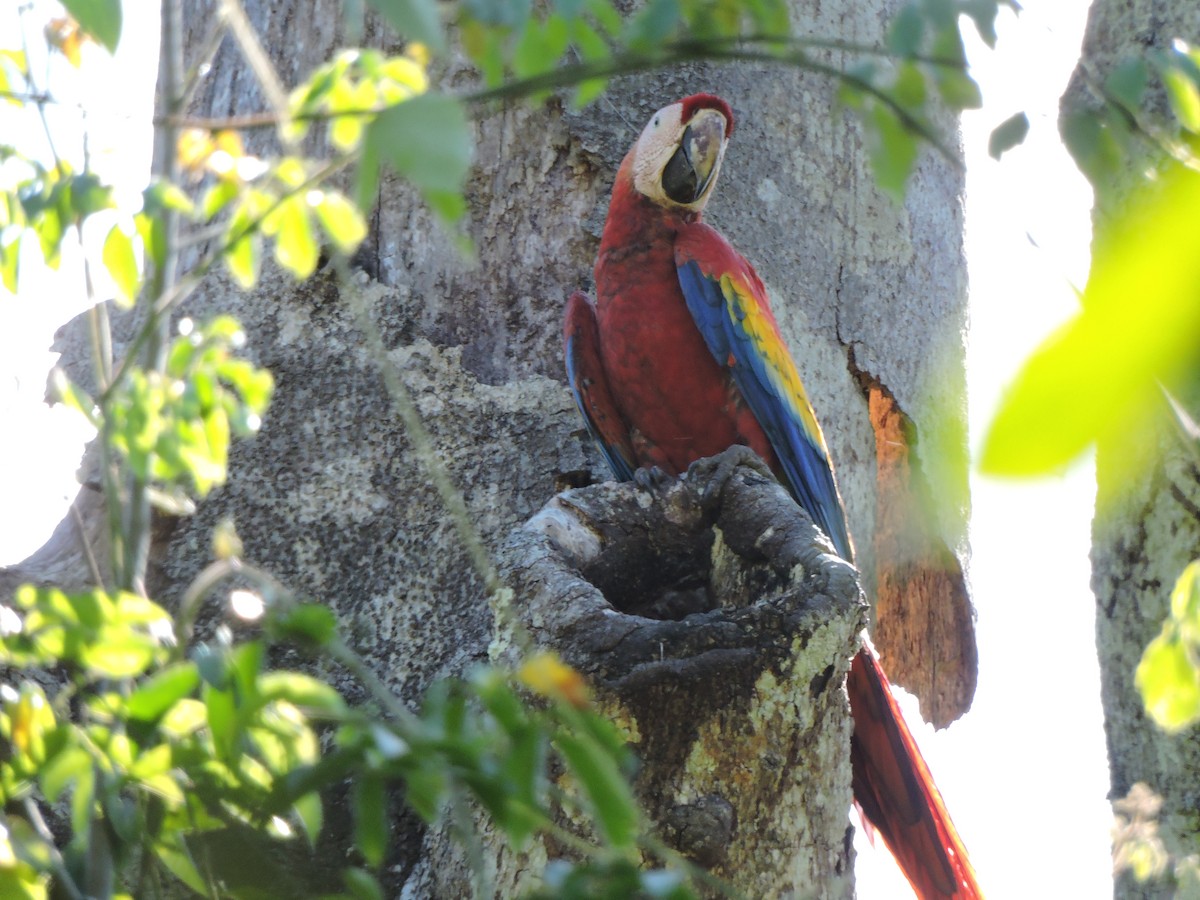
[{"x": 1025, "y": 773}]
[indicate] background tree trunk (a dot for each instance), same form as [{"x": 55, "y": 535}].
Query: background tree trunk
[
  {"x": 1146, "y": 528},
  {"x": 331, "y": 496}
]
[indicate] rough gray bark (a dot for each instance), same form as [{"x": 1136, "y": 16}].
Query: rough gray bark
[
  {"x": 331, "y": 497},
  {"x": 1146, "y": 528},
  {"x": 718, "y": 633}
]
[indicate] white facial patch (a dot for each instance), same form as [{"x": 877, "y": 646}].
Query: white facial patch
[{"x": 654, "y": 148}]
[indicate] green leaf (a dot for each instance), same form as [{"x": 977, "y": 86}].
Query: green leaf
[
  {"x": 184, "y": 718},
  {"x": 246, "y": 862},
  {"x": 99, "y": 18},
  {"x": 300, "y": 690},
  {"x": 121, "y": 262},
  {"x": 1100, "y": 376},
  {"x": 62, "y": 770},
  {"x": 426, "y": 140},
  {"x": 1184, "y": 97},
  {"x": 217, "y": 197},
  {"x": 161, "y": 691},
  {"x": 119, "y": 653},
  {"x": 49, "y": 228},
  {"x": 416, "y": 20},
  {"x": 653, "y": 25},
  {"x": 1008, "y": 134},
  {"x": 1169, "y": 683},
  {"x": 87, "y": 195},
  {"x": 221, "y": 713},
  {"x": 81, "y": 800},
  {"x": 958, "y": 89},
  {"x": 153, "y": 232},
  {"x": 371, "y": 818},
  {"x": 1093, "y": 147},
  {"x": 892, "y": 148},
  {"x": 508, "y": 14},
  {"x": 425, "y": 789},
  {"x": 907, "y": 32},
  {"x": 308, "y": 624},
  {"x": 311, "y": 815},
  {"x": 161, "y": 196},
  {"x": 173, "y": 853},
  {"x": 523, "y": 766},
  {"x": 1127, "y": 83},
  {"x": 983, "y": 14},
  {"x": 607, "y": 790},
  {"x": 541, "y": 45},
  {"x": 362, "y": 885},
  {"x": 908, "y": 88}
]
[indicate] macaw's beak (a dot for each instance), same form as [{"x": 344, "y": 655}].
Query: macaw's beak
[{"x": 689, "y": 172}]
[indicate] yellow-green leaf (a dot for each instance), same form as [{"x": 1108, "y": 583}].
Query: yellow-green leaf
[
  {"x": 121, "y": 262},
  {"x": 1099, "y": 376},
  {"x": 1169, "y": 683},
  {"x": 1185, "y": 602},
  {"x": 340, "y": 219},
  {"x": 183, "y": 718},
  {"x": 295, "y": 246},
  {"x": 242, "y": 260},
  {"x": 1184, "y": 96}
]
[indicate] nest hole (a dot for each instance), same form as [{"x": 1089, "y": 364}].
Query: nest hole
[{"x": 670, "y": 576}]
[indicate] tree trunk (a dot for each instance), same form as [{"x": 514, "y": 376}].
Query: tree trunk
[
  {"x": 332, "y": 497},
  {"x": 1146, "y": 528}
]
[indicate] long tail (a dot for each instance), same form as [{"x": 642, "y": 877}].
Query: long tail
[{"x": 897, "y": 795}]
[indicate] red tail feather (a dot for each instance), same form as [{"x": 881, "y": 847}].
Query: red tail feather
[{"x": 897, "y": 795}]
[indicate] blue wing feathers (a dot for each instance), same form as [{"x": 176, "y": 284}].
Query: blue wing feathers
[{"x": 806, "y": 466}]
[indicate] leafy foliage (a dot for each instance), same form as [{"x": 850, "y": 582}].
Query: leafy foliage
[
  {"x": 181, "y": 760},
  {"x": 1101, "y": 375},
  {"x": 1129, "y": 357},
  {"x": 1169, "y": 674},
  {"x": 1127, "y": 132}
]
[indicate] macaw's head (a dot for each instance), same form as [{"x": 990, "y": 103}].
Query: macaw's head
[{"x": 676, "y": 160}]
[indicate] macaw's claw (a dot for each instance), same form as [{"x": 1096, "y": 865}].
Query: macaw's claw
[
  {"x": 716, "y": 470},
  {"x": 651, "y": 479}
]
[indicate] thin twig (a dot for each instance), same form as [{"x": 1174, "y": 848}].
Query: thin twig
[
  {"x": 63, "y": 877},
  {"x": 626, "y": 64},
  {"x": 163, "y": 277},
  {"x": 204, "y": 59},
  {"x": 260, "y": 63},
  {"x": 193, "y": 598},
  {"x": 716, "y": 50},
  {"x": 85, "y": 545}
]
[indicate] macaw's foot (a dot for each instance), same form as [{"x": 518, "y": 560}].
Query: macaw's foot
[
  {"x": 716, "y": 470},
  {"x": 651, "y": 479}
]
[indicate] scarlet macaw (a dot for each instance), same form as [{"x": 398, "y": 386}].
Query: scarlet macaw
[{"x": 680, "y": 358}]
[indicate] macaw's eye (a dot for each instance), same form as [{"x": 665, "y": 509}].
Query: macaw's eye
[{"x": 656, "y": 121}]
